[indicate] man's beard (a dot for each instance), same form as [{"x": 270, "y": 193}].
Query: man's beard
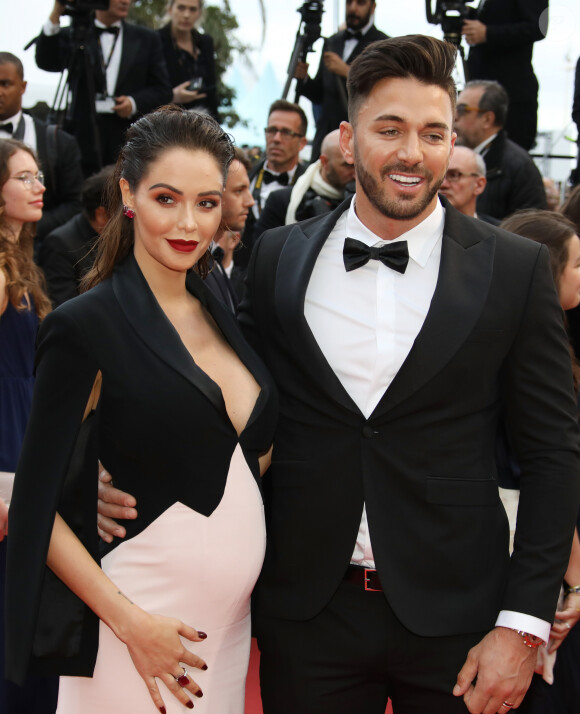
[
  {"x": 353, "y": 22},
  {"x": 404, "y": 207}
]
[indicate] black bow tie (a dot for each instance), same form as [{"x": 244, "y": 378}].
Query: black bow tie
[
  {"x": 114, "y": 30},
  {"x": 282, "y": 178},
  {"x": 353, "y": 35},
  {"x": 394, "y": 255},
  {"x": 8, "y": 127}
]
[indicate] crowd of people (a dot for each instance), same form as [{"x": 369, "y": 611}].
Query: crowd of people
[{"x": 345, "y": 392}]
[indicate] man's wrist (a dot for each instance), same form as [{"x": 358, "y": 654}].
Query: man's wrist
[{"x": 528, "y": 640}]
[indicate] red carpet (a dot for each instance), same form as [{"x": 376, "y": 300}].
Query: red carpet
[{"x": 253, "y": 703}]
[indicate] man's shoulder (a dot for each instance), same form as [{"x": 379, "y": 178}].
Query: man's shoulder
[
  {"x": 70, "y": 235},
  {"x": 375, "y": 34}
]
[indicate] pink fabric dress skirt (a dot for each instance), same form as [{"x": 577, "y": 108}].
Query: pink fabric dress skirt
[{"x": 201, "y": 570}]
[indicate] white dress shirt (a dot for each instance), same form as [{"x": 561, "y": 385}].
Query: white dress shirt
[
  {"x": 29, "y": 130},
  {"x": 368, "y": 338}
]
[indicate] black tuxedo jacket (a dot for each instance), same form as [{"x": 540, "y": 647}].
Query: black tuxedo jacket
[
  {"x": 142, "y": 75},
  {"x": 493, "y": 341},
  {"x": 329, "y": 90},
  {"x": 65, "y": 256},
  {"x": 161, "y": 427},
  {"x": 512, "y": 28},
  {"x": 60, "y": 159}
]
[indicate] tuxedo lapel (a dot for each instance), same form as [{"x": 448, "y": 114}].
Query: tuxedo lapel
[
  {"x": 295, "y": 266},
  {"x": 129, "y": 52},
  {"x": 149, "y": 321},
  {"x": 462, "y": 287}
]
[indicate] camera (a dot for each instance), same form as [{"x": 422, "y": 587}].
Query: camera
[
  {"x": 450, "y": 15},
  {"x": 311, "y": 14}
]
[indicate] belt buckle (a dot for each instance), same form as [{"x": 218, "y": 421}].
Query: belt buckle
[{"x": 367, "y": 580}]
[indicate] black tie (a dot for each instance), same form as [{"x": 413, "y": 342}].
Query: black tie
[
  {"x": 113, "y": 30},
  {"x": 282, "y": 178},
  {"x": 353, "y": 35},
  {"x": 8, "y": 127},
  {"x": 393, "y": 255}
]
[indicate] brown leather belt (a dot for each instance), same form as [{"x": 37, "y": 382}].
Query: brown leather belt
[{"x": 366, "y": 577}]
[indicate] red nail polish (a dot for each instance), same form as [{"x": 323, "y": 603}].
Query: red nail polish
[
  {"x": 201, "y": 634},
  {"x": 162, "y": 710},
  {"x": 199, "y": 694},
  {"x": 204, "y": 667},
  {"x": 189, "y": 704}
]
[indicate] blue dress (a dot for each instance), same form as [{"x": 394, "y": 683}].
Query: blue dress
[{"x": 18, "y": 330}]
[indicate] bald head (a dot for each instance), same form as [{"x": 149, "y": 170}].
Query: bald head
[
  {"x": 465, "y": 179},
  {"x": 334, "y": 169}
]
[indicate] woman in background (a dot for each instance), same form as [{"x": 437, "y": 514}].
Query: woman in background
[
  {"x": 560, "y": 236},
  {"x": 23, "y": 303},
  {"x": 189, "y": 56}
]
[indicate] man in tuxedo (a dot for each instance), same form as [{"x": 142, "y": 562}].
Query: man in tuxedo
[
  {"x": 465, "y": 181},
  {"x": 319, "y": 190},
  {"x": 513, "y": 179},
  {"x": 124, "y": 64},
  {"x": 57, "y": 151},
  {"x": 398, "y": 330},
  {"x": 328, "y": 88},
  {"x": 501, "y": 41},
  {"x": 285, "y": 139}
]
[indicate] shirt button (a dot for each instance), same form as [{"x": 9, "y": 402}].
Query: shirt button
[{"x": 368, "y": 432}]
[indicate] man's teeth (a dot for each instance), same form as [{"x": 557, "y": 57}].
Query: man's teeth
[{"x": 410, "y": 180}]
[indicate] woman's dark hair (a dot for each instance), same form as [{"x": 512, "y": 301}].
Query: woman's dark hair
[
  {"x": 571, "y": 208},
  {"x": 548, "y": 227},
  {"x": 23, "y": 278},
  {"x": 426, "y": 59},
  {"x": 169, "y": 127}
]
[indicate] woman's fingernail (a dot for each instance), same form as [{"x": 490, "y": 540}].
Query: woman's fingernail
[
  {"x": 162, "y": 710},
  {"x": 198, "y": 694},
  {"x": 204, "y": 667},
  {"x": 201, "y": 634},
  {"x": 189, "y": 704}
]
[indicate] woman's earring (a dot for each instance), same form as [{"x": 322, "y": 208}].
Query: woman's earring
[{"x": 129, "y": 212}]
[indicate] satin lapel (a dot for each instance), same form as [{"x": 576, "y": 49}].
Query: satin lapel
[
  {"x": 149, "y": 321},
  {"x": 462, "y": 287},
  {"x": 293, "y": 273},
  {"x": 129, "y": 52}
]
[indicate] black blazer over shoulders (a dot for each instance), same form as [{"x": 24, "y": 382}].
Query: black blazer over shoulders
[
  {"x": 493, "y": 342},
  {"x": 161, "y": 427}
]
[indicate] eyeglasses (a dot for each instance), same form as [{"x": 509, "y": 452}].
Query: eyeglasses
[
  {"x": 28, "y": 179},
  {"x": 284, "y": 133},
  {"x": 453, "y": 175},
  {"x": 463, "y": 109}
]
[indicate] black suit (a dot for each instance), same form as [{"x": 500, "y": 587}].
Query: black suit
[
  {"x": 506, "y": 56},
  {"x": 423, "y": 462},
  {"x": 65, "y": 256},
  {"x": 60, "y": 159},
  {"x": 513, "y": 180},
  {"x": 329, "y": 90},
  {"x": 150, "y": 383},
  {"x": 142, "y": 75}
]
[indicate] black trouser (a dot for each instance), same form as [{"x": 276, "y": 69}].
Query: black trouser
[{"x": 353, "y": 657}]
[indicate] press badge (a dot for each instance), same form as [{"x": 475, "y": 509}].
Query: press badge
[{"x": 104, "y": 104}]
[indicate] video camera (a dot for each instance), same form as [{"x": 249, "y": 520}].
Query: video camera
[
  {"x": 311, "y": 17},
  {"x": 83, "y": 7},
  {"x": 450, "y": 15}
]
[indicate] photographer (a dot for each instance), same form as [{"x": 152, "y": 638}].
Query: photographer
[
  {"x": 501, "y": 42},
  {"x": 123, "y": 62},
  {"x": 328, "y": 88}
]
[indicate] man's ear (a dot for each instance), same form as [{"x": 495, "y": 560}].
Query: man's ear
[
  {"x": 480, "y": 184},
  {"x": 346, "y": 141}
]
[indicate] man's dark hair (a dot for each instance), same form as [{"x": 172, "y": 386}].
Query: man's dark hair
[
  {"x": 241, "y": 156},
  {"x": 94, "y": 189},
  {"x": 426, "y": 59},
  {"x": 9, "y": 58},
  {"x": 282, "y": 105},
  {"x": 494, "y": 99}
]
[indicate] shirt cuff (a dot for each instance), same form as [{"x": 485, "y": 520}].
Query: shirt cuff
[
  {"x": 49, "y": 29},
  {"x": 134, "y": 105},
  {"x": 524, "y": 623}
]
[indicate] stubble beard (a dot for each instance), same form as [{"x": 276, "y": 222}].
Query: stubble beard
[{"x": 403, "y": 207}]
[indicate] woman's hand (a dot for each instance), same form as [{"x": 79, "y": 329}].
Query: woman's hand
[
  {"x": 565, "y": 621},
  {"x": 182, "y": 95},
  {"x": 157, "y": 652},
  {"x": 3, "y": 519}
]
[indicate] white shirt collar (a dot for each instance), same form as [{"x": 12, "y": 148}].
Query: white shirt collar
[
  {"x": 480, "y": 148},
  {"x": 421, "y": 240},
  {"x": 15, "y": 119},
  {"x": 98, "y": 23}
]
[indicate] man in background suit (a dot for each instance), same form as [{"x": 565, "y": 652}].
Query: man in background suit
[
  {"x": 328, "y": 88},
  {"x": 127, "y": 68},
  {"x": 57, "y": 151},
  {"x": 501, "y": 43}
]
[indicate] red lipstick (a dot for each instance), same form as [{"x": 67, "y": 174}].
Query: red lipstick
[{"x": 183, "y": 246}]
